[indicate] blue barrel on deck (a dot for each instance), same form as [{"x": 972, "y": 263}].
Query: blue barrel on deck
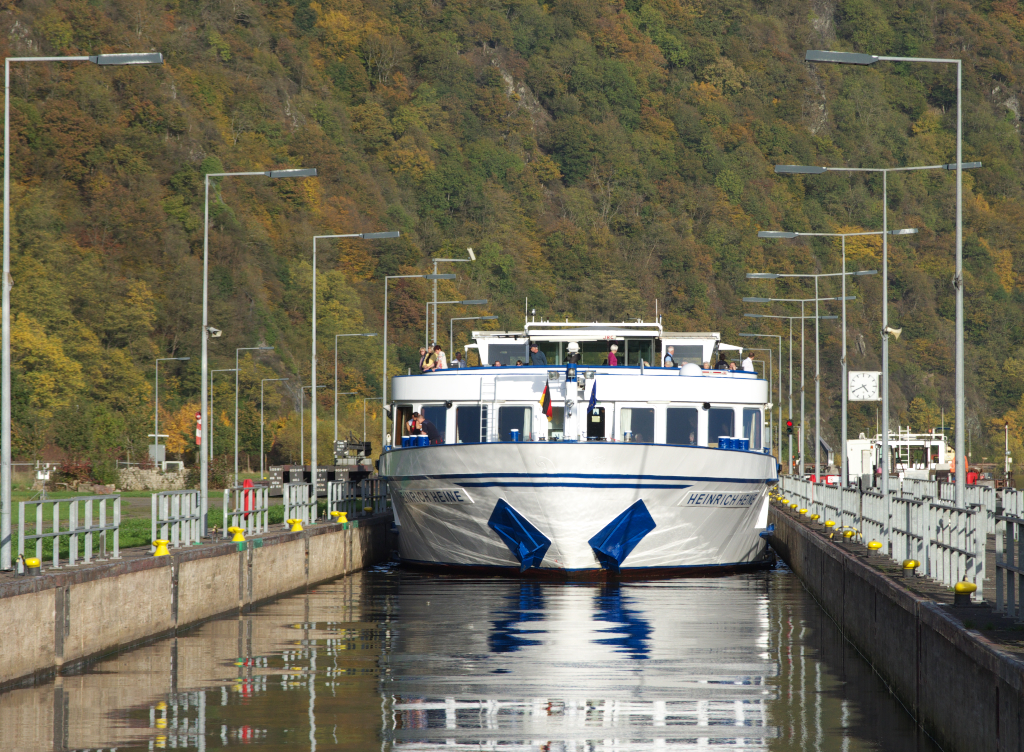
[
  {"x": 725, "y": 442},
  {"x": 514, "y": 434},
  {"x": 422, "y": 441},
  {"x": 406, "y": 441},
  {"x": 744, "y": 444}
]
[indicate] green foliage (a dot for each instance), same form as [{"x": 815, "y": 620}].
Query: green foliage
[{"x": 598, "y": 156}]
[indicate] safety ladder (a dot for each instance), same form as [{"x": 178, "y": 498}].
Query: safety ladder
[{"x": 487, "y": 390}]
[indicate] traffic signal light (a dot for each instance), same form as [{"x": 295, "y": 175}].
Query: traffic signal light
[{"x": 789, "y": 426}]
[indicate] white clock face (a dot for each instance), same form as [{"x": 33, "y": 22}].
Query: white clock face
[{"x": 864, "y": 385}]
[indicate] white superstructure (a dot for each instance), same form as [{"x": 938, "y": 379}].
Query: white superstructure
[
  {"x": 911, "y": 455},
  {"x": 635, "y": 468}
]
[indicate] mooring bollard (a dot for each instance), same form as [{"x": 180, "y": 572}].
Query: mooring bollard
[
  {"x": 962, "y": 593},
  {"x": 238, "y": 534},
  {"x": 848, "y": 535},
  {"x": 296, "y": 524},
  {"x": 873, "y": 548},
  {"x": 32, "y": 566},
  {"x": 340, "y": 517},
  {"x": 909, "y": 565},
  {"x": 815, "y": 517},
  {"x": 368, "y": 510},
  {"x": 161, "y": 548}
]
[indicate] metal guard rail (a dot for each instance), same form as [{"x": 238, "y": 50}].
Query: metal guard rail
[
  {"x": 177, "y": 517},
  {"x": 73, "y": 529},
  {"x": 914, "y": 523}
]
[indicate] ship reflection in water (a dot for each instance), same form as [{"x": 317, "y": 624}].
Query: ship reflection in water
[{"x": 395, "y": 660}]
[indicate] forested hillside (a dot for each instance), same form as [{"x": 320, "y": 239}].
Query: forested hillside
[{"x": 597, "y": 155}]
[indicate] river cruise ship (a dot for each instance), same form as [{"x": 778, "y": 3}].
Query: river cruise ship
[{"x": 579, "y": 467}]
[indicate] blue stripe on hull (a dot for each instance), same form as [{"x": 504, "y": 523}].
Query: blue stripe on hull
[{"x": 689, "y": 479}]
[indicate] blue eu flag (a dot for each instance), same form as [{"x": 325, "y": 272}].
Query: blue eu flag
[{"x": 593, "y": 398}]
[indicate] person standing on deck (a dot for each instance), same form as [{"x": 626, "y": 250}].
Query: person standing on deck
[
  {"x": 537, "y": 358},
  {"x": 748, "y": 363},
  {"x": 669, "y": 361}
]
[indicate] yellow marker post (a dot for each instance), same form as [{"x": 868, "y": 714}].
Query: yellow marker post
[
  {"x": 238, "y": 534},
  {"x": 161, "y": 548}
]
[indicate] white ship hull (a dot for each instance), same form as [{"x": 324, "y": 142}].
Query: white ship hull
[{"x": 707, "y": 505}]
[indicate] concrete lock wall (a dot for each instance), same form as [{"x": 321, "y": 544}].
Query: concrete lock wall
[
  {"x": 964, "y": 692},
  {"x": 66, "y": 616}
]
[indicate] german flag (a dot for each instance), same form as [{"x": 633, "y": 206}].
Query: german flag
[{"x": 545, "y": 401}]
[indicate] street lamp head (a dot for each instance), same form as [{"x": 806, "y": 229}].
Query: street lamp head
[
  {"x": 472, "y": 302},
  {"x": 963, "y": 166},
  {"x": 292, "y": 173},
  {"x": 761, "y": 275},
  {"x": 906, "y": 231},
  {"x": 128, "y": 58},
  {"x": 487, "y": 318},
  {"x": 754, "y": 315},
  {"x": 865, "y": 273},
  {"x": 846, "y": 58},
  {"x": 380, "y": 235},
  {"x": 472, "y": 256},
  {"x": 437, "y": 276},
  {"x": 830, "y": 318},
  {"x": 776, "y": 234},
  {"x": 183, "y": 358},
  {"x": 789, "y": 169},
  {"x": 757, "y": 300}
]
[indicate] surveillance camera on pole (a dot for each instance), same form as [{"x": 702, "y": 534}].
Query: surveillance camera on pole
[{"x": 213, "y": 332}]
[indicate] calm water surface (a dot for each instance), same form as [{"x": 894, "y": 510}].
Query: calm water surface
[{"x": 396, "y": 660}]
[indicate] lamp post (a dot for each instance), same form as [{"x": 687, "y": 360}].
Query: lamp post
[
  {"x": 156, "y": 408},
  {"x": 218, "y": 370},
  {"x": 791, "y": 319},
  {"x": 127, "y": 58},
  {"x": 209, "y": 331},
  {"x": 262, "y": 382},
  {"x": 436, "y": 303},
  {"x": 365, "y": 400},
  {"x": 313, "y": 376},
  {"x": 472, "y": 257},
  {"x": 811, "y": 170},
  {"x": 384, "y": 386},
  {"x": 451, "y": 331},
  {"x": 302, "y": 420},
  {"x": 843, "y": 236},
  {"x": 779, "y": 338},
  {"x": 336, "y": 336},
  {"x": 238, "y": 350},
  {"x": 817, "y": 395},
  {"x": 853, "y": 58}
]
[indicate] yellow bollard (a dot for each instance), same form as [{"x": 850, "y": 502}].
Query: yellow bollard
[
  {"x": 815, "y": 517},
  {"x": 32, "y": 566},
  {"x": 368, "y": 510},
  {"x": 296, "y": 525},
  {"x": 340, "y": 517},
  {"x": 874, "y": 547},
  {"x": 803, "y": 511},
  {"x": 830, "y": 523},
  {"x": 848, "y": 534},
  {"x": 962, "y": 593},
  {"x": 238, "y": 534},
  {"x": 161, "y": 548},
  {"x": 909, "y": 565}
]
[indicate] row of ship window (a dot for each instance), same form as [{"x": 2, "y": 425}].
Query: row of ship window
[{"x": 683, "y": 426}]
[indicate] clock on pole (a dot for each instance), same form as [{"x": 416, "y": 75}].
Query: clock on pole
[{"x": 864, "y": 386}]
